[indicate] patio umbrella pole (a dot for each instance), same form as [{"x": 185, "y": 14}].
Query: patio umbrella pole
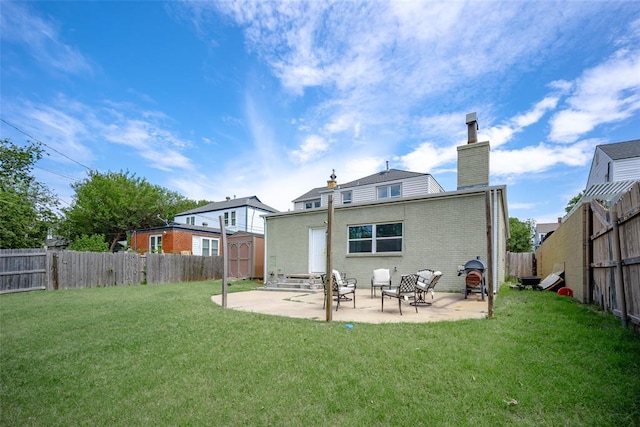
[{"x": 329, "y": 268}]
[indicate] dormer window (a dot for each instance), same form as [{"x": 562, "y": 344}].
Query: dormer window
[
  {"x": 312, "y": 204},
  {"x": 347, "y": 197},
  {"x": 389, "y": 191}
]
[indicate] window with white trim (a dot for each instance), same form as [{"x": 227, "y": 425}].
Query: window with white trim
[
  {"x": 233, "y": 218},
  {"x": 346, "y": 197},
  {"x": 375, "y": 238},
  {"x": 191, "y": 220},
  {"x": 226, "y": 218},
  {"x": 389, "y": 191},
  {"x": 312, "y": 204},
  {"x": 209, "y": 247},
  {"x": 155, "y": 243}
]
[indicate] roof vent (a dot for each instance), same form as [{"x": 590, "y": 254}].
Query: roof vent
[{"x": 332, "y": 183}]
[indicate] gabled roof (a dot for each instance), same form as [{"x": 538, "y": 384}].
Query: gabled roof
[
  {"x": 621, "y": 150},
  {"x": 384, "y": 176},
  {"x": 251, "y": 201},
  {"x": 377, "y": 178}
]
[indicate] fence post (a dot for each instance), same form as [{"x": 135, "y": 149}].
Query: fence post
[{"x": 619, "y": 283}]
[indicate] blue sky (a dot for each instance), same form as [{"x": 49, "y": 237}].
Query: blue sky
[{"x": 216, "y": 99}]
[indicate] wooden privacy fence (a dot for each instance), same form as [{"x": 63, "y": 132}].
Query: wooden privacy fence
[
  {"x": 521, "y": 264},
  {"x": 616, "y": 256},
  {"x": 30, "y": 269},
  {"x": 23, "y": 269}
]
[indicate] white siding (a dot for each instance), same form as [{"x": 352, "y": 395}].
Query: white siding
[
  {"x": 599, "y": 167},
  {"x": 626, "y": 169},
  {"x": 196, "y": 248}
]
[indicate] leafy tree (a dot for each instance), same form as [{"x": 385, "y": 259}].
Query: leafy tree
[
  {"x": 27, "y": 206},
  {"x": 521, "y": 234},
  {"x": 112, "y": 203},
  {"x": 93, "y": 243},
  {"x": 573, "y": 202}
]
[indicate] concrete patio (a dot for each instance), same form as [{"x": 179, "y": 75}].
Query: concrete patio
[{"x": 308, "y": 305}]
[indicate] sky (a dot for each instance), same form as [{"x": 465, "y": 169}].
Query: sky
[{"x": 234, "y": 98}]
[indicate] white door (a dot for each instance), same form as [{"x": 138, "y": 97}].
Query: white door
[{"x": 317, "y": 250}]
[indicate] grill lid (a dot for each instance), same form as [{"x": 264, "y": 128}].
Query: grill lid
[{"x": 475, "y": 264}]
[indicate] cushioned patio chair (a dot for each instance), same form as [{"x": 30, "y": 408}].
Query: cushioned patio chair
[
  {"x": 426, "y": 282},
  {"x": 340, "y": 290},
  {"x": 381, "y": 279},
  {"x": 405, "y": 290}
]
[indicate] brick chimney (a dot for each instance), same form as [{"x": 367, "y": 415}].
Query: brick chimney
[
  {"x": 473, "y": 158},
  {"x": 332, "y": 183}
]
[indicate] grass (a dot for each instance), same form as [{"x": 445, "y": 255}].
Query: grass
[{"x": 166, "y": 355}]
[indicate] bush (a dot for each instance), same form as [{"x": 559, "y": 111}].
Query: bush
[{"x": 93, "y": 243}]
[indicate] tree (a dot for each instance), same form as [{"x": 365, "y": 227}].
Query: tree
[
  {"x": 27, "y": 206},
  {"x": 521, "y": 235},
  {"x": 113, "y": 203},
  {"x": 93, "y": 243},
  {"x": 573, "y": 202}
]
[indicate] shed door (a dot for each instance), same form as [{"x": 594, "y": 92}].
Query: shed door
[{"x": 317, "y": 250}]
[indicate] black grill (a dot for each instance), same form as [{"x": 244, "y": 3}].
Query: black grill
[{"x": 474, "y": 277}]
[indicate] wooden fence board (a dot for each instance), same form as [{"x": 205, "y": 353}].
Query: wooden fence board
[{"x": 22, "y": 269}]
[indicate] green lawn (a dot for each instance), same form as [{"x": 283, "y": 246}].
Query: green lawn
[{"x": 166, "y": 355}]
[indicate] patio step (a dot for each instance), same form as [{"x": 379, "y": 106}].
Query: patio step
[{"x": 295, "y": 282}]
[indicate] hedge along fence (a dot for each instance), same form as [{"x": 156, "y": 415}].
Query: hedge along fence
[{"x": 70, "y": 269}]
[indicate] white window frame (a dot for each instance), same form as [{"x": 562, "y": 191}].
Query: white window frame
[
  {"x": 233, "y": 218},
  {"x": 191, "y": 220},
  {"x": 212, "y": 249},
  {"x": 386, "y": 191},
  {"x": 226, "y": 218},
  {"x": 155, "y": 243},
  {"x": 347, "y": 197},
  {"x": 312, "y": 204},
  {"x": 374, "y": 239}
]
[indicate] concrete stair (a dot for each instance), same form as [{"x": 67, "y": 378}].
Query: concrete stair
[{"x": 295, "y": 282}]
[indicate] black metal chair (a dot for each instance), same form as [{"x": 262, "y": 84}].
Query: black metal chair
[
  {"x": 405, "y": 290},
  {"x": 341, "y": 289}
]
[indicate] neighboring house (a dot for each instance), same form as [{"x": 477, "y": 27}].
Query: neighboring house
[
  {"x": 614, "y": 169},
  {"x": 175, "y": 238},
  {"x": 396, "y": 219},
  {"x": 386, "y": 185},
  {"x": 543, "y": 229},
  {"x": 615, "y": 162},
  {"x": 241, "y": 214}
]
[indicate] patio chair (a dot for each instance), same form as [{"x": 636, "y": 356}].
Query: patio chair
[
  {"x": 426, "y": 282},
  {"x": 340, "y": 290},
  {"x": 381, "y": 279},
  {"x": 406, "y": 289}
]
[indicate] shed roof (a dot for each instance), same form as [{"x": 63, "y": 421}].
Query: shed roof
[{"x": 621, "y": 150}]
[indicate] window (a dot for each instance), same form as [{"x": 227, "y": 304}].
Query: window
[
  {"x": 233, "y": 218},
  {"x": 191, "y": 220},
  {"x": 346, "y": 197},
  {"x": 389, "y": 191},
  {"x": 312, "y": 204},
  {"x": 226, "y": 218},
  {"x": 209, "y": 247},
  {"x": 375, "y": 238},
  {"x": 155, "y": 243}
]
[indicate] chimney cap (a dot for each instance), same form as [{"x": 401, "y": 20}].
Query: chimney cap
[{"x": 472, "y": 117}]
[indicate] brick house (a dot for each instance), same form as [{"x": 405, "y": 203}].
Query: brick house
[{"x": 399, "y": 220}]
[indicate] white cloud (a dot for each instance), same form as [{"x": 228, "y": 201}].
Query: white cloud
[
  {"x": 539, "y": 158},
  {"x": 606, "y": 93},
  {"x": 41, "y": 39},
  {"x": 312, "y": 147}
]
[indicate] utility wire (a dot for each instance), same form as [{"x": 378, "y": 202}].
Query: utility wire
[{"x": 48, "y": 146}]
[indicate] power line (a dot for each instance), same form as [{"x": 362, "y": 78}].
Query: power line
[
  {"x": 57, "y": 173},
  {"x": 48, "y": 146}
]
